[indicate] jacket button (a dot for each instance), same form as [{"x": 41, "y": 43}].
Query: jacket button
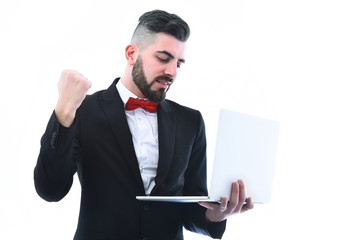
[
  {"x": 146, "y": 207},
  {"x": 53, "y": 140}
]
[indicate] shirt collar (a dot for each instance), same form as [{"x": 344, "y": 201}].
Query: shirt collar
[{"x": 125, "y": 93}]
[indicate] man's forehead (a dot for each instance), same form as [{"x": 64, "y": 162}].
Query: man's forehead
[{"x": 169, "y": 45}]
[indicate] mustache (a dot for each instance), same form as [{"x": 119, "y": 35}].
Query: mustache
[{"x": 164, "y": 77}]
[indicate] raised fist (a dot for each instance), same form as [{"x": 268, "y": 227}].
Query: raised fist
[{"x": 72, "y": 87}]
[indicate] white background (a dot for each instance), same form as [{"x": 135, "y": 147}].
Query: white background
[{"x": 295, "y": 62}]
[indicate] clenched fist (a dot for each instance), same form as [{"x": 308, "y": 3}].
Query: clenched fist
[{"x": 72, "y": 87}]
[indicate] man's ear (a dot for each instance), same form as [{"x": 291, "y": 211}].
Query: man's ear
[{"x": 131, "y": 53}]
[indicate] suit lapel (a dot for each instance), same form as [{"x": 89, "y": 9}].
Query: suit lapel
[
  {"x": 113, "y": 108},
  {"x": 166, "y": 129}
]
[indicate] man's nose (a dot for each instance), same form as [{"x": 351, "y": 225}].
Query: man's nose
[{"x": 171, "y": 69}]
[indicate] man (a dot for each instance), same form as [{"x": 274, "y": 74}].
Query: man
[{"x": 120, "y": 151}]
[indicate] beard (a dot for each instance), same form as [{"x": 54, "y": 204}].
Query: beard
[{"x": 140, "y": 80}]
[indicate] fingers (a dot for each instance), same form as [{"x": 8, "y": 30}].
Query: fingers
[
  {"x": 234, "y": 199},
  {"x": 72, "y": 87},
  {"x": 219, "y": 211},
  {"x": 208, "y": 205},
  {"x": 216, "y": 212},
  {"x": 242, "y": 197},
  {"x": 238, "y": 198},
  {"x": 249, "y": 205},
  {"x": 73, "y": 80},
  {"x": 222, "y": 206},
  {"x": 241, "y": 191}
]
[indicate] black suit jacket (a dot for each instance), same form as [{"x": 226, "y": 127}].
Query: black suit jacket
[{"x": 98, "y": 146}]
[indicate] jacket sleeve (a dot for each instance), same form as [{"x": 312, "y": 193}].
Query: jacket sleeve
[
  {"x": 196, "y": 184},
  {"x": 56, "y": 164}
]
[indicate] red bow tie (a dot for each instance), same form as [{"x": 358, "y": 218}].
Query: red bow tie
[{"x": 134, "y": 103}]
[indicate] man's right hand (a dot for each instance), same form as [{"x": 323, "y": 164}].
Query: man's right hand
[{"x": 72, "y": 87}]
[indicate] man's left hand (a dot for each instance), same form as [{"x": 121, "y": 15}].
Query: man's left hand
[{"x": 218, "y": 212}]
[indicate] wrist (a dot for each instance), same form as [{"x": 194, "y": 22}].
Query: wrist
[{"x": 64, "y": 115}]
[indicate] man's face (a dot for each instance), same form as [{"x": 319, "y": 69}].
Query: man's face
[{"x": 156, "y": 67}]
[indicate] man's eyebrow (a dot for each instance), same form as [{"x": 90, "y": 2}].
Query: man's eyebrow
[{"x": 170, "y": 55}]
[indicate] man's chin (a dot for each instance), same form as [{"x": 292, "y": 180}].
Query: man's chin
[
  {"x": 159, "y": 99},
  {"x": 156, "y": 96}
]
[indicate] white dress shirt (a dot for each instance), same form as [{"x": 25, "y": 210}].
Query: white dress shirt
[{"x": 144, "y": 129}]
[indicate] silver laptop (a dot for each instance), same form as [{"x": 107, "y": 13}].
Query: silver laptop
[{"x": 245, "y": 149}]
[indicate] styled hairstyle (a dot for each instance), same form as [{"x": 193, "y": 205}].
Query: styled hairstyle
[{"x": 158, "y": 21}]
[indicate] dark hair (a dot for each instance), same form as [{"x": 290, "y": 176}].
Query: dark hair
[{"x": 158, "y": 21}]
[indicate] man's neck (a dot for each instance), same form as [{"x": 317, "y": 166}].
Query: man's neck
[{"x": 130, "y": 85}]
